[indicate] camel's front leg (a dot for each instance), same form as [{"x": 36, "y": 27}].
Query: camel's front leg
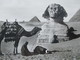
[
  {"x": 1, "y": 38},
  {"x": 16, "y": 47},
  {"x": 0, "y": 49},
  {"x": 15, "y": 51}
]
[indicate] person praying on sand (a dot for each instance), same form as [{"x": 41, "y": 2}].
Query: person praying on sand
[{"x": 24, "y": 50}]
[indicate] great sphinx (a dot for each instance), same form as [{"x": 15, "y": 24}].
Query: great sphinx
[{"x": 54, "y": 14}]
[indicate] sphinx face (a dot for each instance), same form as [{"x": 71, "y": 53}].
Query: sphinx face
[{"x": 53, "y": 10}]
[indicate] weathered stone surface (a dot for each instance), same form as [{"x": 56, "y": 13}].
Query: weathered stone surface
[{"x": 49, "y": 30}]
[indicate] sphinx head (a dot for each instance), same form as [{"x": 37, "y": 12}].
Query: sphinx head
[{"x": 54, "y": 11}]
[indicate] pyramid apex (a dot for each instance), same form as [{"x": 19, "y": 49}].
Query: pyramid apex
[{"x": 34, "y": 19}]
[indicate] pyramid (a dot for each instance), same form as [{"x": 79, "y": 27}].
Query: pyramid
[
  {"x": 76, "y": 17},
  {"x": 34, "y": 19}
]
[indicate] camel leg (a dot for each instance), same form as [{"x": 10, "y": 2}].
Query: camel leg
[
  {"x": 15, "y": 47},
  {"x": 0, "y": 49},
  {"x": 1, "y": 38},
  {"x": 15, "y": 51}
]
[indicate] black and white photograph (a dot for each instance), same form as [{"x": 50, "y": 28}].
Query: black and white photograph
[{"x": 39, "y": 30}]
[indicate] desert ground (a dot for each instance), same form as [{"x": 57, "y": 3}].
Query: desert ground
[{"x": 68, "y": 50}]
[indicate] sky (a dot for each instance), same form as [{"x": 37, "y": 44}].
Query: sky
[{"x": 27, "y": 9}]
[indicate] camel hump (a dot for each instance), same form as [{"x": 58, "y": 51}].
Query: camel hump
[{"x": 12, "y": 31}]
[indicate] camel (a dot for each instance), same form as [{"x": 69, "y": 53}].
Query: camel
[{"x": 13, "y": 32}]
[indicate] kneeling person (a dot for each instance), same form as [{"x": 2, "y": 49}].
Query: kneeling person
[{"x": 24, "y": 50}]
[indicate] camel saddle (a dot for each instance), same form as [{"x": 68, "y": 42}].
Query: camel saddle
[{"x": 11, "y": 32}]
